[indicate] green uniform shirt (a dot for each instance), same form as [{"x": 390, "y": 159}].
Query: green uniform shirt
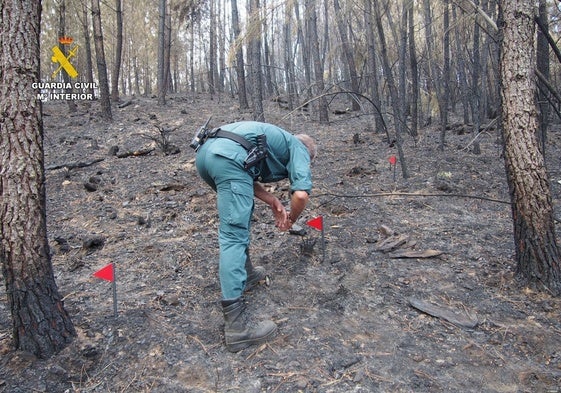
[{"x": 287, "y": 156}]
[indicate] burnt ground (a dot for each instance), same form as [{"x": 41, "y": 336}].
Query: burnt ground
[{"x": 345, "y": 313}]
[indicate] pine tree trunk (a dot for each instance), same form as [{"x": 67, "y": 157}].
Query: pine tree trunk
[
  {"x": 104, "y": 97},
  {"x": 323, "y": 114},
  {"x": 118, "y": 52},
  {"x": 399, "y": 119},
  {"x": 413, "y": 64},
  {"x": 161, "y": 53},
  {"x": 475, "y": 88},
  {"x": 543, "y": 68},
  {"x": 444, "y": 97},
  {"x": 305, "y": 51},
  {"x": 347, "y": 53},
  {"x": 288, "y": 58},
  {"x": 240, "y": 70},
  {"x": 39, "y": 321},
  {"x": 255, "y": 50},
  {"x": 211, "y": 72},
  {"x": 462, "y": 82},
  {"x": 72, "y": 107},
  {"x": 380, "y": 124},
  {"x": 537, "y": 254},
  {"x": 429, "y": 72},
  {"x": 88, "y": 48}
]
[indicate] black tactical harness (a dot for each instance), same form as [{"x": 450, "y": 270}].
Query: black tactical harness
[{"x": 255, "y": 154}]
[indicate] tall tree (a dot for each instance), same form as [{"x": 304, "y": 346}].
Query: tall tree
[
  {"x": 429, "y": 66},
  {"x": 413, "y": 65},
  {"x": 289, "y": 71},
  {"x": 475, "y": 89},
  {"x": 373, "y": 83},
  {"x": 104, "y": 97},
  {"x": 537, "y": 254},
  {"x": 40, "y": 323},
  {"x": 543, "y": 67},
  {"x": 240, "y": 69},
  {"x": 311, "y": 13},
  {"x": 118, "y": 51},
  {"x": 460, "y": 63},
  {"x": 444, "y": 96},
  {"x": 255, "y": 55},
  {"x": 399, "y": 118},
  {"x": 72, "y": 107},
  {"x": 87, "y": 47},
  {"x": 304, "y": 50},
  {"x": 348, "y": 56},
  {"x": 212, "y": 49},
  {"x": 162, "y": 86}
]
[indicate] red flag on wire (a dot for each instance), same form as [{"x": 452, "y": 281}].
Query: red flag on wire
[
  {"x": 392, "y": 160},
  {"x": 316, "y": 223},
  {"x": 105, "y": 273}
]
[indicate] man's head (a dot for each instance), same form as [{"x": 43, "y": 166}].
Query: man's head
[{"x": 309, "y": 143}]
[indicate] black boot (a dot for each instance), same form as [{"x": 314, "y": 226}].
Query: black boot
[
  {"x": 237, "y": 333},
  {"x": 255, "y": 274}
]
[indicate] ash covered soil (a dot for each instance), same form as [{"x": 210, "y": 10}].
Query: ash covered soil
[{"x": 414, "y": 290}]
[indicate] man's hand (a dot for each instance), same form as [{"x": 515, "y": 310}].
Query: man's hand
[
  {"x": 281, "y": 216},
  {"x": 298, "y": 202},
  {"x": 279, "y": 212}
]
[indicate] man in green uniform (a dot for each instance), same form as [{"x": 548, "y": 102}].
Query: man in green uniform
[{"x": 224, "y": 163}]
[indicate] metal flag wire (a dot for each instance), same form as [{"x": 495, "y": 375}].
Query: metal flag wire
[{"x": 317, "y": 223}]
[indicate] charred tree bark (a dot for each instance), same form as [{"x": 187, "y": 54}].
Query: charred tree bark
[
  {"x": 255, "y": 50},
  {"x": 305, "y": 51},
  {"x": 88, "y": 48},
  {"x": 162, "y": 87},
  {"x": 72, "y": 107},
  {"x": 461, "y": 64},
  {"x": 413, "y": 65},
  {"x": 118, "y": 52},
  {"x": 211, "y": 72},
  {"x": 40, "y": 323},
  {"x": 311, "y": 15},
  {"x": 104, "y": 98},
  {"x": 475, "y": 88},
  {"x": 444, "y": 97},
  {"x": 289, "y": 58},
  {"x": 399, "y": 118},
  {"x": 240, "y": 69},
  {"x": 537, "y": 254},
  {"x": 347, "y": 53},
  {"x": 543, "y": 68},
  {"x": 373, "y": 82}
]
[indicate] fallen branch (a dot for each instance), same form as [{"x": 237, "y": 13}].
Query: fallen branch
[
  {"x": 411, "y": 194},
  {"x": 125, "y": 104},
  {"x": 462, "y": 320},
  {"x": 415, "y": 253},
  {"x": 74, "y": 164}
]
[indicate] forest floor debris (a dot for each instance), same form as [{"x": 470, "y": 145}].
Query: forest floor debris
[{"x": 346, "y": 323}]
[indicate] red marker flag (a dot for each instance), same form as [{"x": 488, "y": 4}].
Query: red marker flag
[
  {"x": 316, "y": 223},
  {"x": 392, "y": 160},
  {"x": 105, "y": 273}
]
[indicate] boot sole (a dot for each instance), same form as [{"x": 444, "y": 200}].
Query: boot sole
[{"x": 239, "y": 345}]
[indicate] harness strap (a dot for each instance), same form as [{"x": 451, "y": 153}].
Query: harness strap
[{"x": 218, "y": 133}]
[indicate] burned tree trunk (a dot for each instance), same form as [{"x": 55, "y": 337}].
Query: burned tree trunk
[
  {"x": 39, "y": 321},
  {"x": 104, "y": 97},
  {"x": 537, "y": 254}
]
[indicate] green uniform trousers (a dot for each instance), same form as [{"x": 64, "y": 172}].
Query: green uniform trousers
[{"x": 220, "y": 163}]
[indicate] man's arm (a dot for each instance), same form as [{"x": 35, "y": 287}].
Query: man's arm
[
  {"x": 281, "y": 216},
  {"x": 298, "y": 202}
]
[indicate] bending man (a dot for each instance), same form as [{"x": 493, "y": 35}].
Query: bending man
[{"x": 223, "y": 163}]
